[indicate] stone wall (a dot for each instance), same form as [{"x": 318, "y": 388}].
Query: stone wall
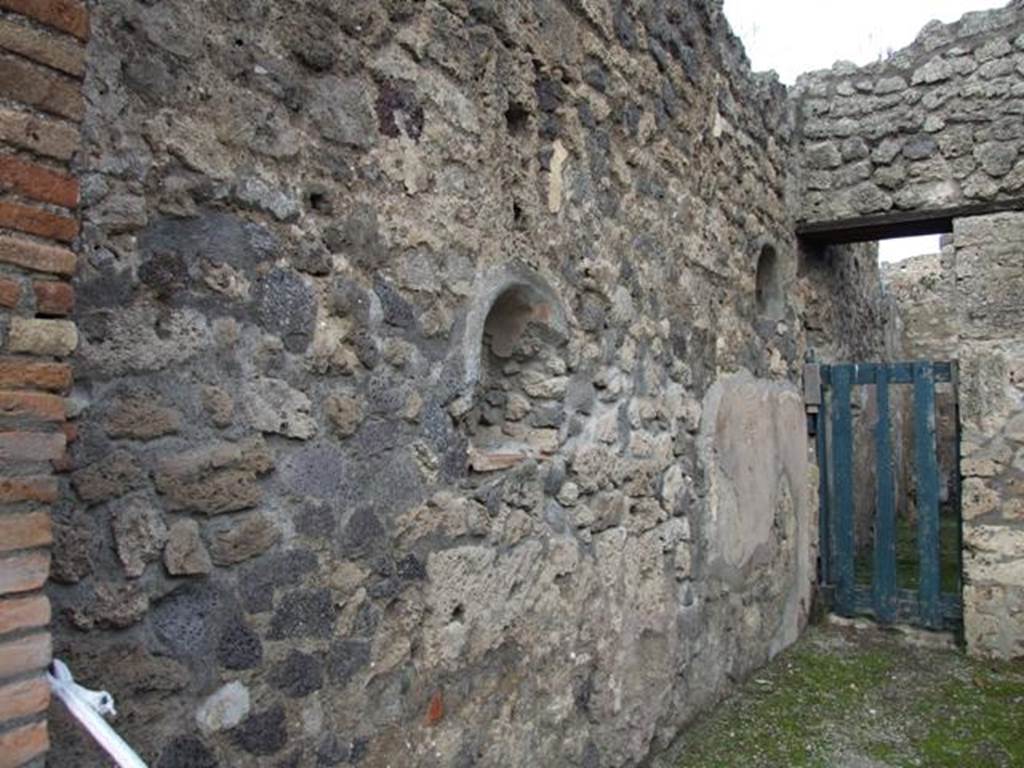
[
  {"x": 934, "y": 126},
  {"x": 412, "y": 335},
  {"x": 990, "y": 283},
  {"x": 42, "y": 59}
]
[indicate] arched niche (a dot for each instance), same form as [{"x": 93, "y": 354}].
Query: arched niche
[
  {"x": 514, "y": 351},
  {"x": 769, "y": 284}
]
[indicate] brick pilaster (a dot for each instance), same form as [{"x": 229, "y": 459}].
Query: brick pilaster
[{"x": 42, "y": 60}]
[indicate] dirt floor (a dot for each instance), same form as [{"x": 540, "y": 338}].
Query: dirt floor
[{"x": 863, "y": 698}]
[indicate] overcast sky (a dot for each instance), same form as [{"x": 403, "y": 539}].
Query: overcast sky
[{"x": 795, "y": 36}]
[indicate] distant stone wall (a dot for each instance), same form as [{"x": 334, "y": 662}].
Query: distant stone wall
[
  {"x": 401, "y": 324},
  {"x": 847, "y": 315},
  {"x": 990, "y": 284},
  {"x": 924, "y": 290},
  {"x": 937, "y": 125}
]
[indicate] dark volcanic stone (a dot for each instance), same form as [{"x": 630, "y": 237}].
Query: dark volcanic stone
[
  {"x": 312, "y": 259},
  {"x": 920, "y": 147},
  {"x": 360, "y": 747},
  {"x": 298, "y": 675},
  {"x": 547, "y": 416},
  {"x": 333, "y": 750},
  {"x": 623, "y": 23},
  {"x": 341, "y": 109},
  {"x": 358, "y": 238},
  {"x": 595, "y": 75},
  {"x": 186, "y": 752},
  {"x": 345, "y": 658},
  {"x": 106, "y": 287},
  {"x": 263, "y": 734},
  {"x": 411, "y": 569},
  {"x": 187, "y": 620},
  {"x": 215, "y": 237},
  {"x": 550, "y": 94},
  {"x": 385, "y": 589},
  {"x": 280, "y": 569},
  {"x": 376, "y": 436},
  {"x": 384, "y": 396},
  {"x": 349, "y": 300},
  {"x": 239, "y": 647},
  {"x": 165, "y": 272},
  {"x": 390, "y": 484},
  {"x": 398, "y": 108},
  {"x": 592, "y": 312},
  {"x": 316, "y": 520},
  {"x": 363, "y": 530},
  {"x": 366, "y": 348},
  {"x": 319, "y": 470},
  {"x": 303, "y": 613},
  {"x": 287, "y": 307},
  {"x": 397, "y": 311}
]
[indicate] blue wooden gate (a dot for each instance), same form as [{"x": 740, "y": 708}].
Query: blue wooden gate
[{"x": 881, "y": 596}]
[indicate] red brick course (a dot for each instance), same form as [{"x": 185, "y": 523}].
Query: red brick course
[
  {"x": 23, "y": 573},
  {"x": 39, "y": 87},
  {"x": 43, "y": 135},
  {"x": 10, "y": 293},
  {"x": 36, "y": 256},
  {"x": 53, "y": 298},
  {"x": 69, "y": 16},
  {"x": 17, "y": 613},
  {"x": 26, "y": 654},
  {"x": 31, "y": 406},
  {"x": 53, "y": 50},
  {"x": 32, "y": 446},
  {"x": 38, "y": 183},
  {"x": 24, "y": 531},
  {"x": 20, "y": 373},
  {"x": 41, "y": 68},
  {"x": 24, "y": 744},
  {"x": 24, "y": 698},
  {"x": 41, "y": 488},
  {"x": 38, "y": 222}
]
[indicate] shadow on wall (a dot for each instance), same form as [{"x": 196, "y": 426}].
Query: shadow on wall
[{"x": 771, "y": 303}]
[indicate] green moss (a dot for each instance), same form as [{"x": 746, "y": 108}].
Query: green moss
[
  {"x": 863, "y": 693},
  {"x": 977, "y": 722},
  {"x": 778, "y": 716}
]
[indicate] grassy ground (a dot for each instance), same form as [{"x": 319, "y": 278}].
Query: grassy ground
[{"x": 863, "y": 698}]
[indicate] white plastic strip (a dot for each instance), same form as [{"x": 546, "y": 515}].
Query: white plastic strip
[{"x": 88, "y": 707}]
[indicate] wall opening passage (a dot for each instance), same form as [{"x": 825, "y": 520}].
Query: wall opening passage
[{"x": 518, "y": 410}]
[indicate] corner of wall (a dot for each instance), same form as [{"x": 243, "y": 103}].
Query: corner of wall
[{"x": 42, "y": 62}]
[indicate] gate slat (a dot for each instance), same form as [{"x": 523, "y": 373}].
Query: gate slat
[
  {"x": 824, "y": 489},
  {"x": 842, "y": 437},
  {"x": 927, "y": 494},
  {"x": 884, "y": 582}
]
